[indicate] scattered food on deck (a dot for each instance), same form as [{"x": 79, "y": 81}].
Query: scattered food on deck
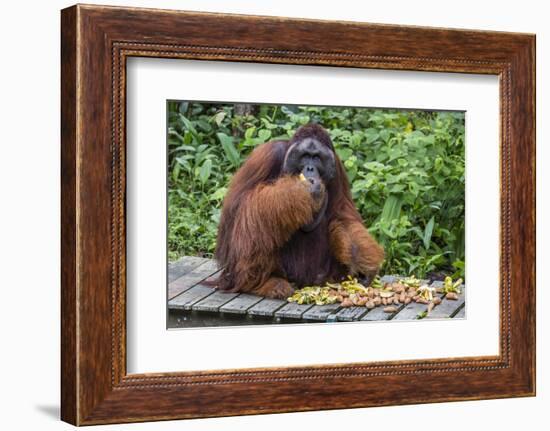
[
  {"x": 193, "y": 301},
  {"x": 351, "y": 293}
]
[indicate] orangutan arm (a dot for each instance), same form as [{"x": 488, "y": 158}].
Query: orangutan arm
[
  {"x": 273, "y": 212},
  {"x": 353, "y": 246}
]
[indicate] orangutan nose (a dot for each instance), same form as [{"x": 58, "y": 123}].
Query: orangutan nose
[{"x": 310, "y": 171}]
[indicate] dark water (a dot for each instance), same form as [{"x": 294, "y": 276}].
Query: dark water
[{"x": 192, "y": 319}]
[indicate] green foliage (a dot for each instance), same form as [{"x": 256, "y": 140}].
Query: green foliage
[{"x": 406, "y": 170}]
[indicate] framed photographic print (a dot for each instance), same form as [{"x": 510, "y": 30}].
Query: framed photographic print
[
  {"x": 318, "y": 277},
  {"x": 326, "y": 214}
]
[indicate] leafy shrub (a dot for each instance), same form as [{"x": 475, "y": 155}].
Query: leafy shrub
[{"x": 406, "y": 170}]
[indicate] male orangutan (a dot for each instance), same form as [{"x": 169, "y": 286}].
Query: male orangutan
[{"x": 289, "y": 217}]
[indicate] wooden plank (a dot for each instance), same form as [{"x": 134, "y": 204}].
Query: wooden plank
[
  {"x": 214, "y": 302},
  {"x": 266, "y": 307},
  {"x": 184, "y": 265},
  {"x": 378, "y": 313},
  {"x": 448, "y": 306},
  {"x": 461, "y": 314},
  {"x": 292, "y": 310},
  {"x": 321, "y": 312},
  {"x": 332, "y": 318},
  {"x": 411, "y": 310},
  {"x": 190, "y": 297},
  {"x": 200, "y": 273},
  {"x": 240, "y": 304},
  {"x": 351, "y": 314}
]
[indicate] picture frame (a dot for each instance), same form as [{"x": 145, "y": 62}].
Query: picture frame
[{"x": 96, "y": 42}]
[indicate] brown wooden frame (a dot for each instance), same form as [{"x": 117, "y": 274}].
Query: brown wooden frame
[{"x": 95, "y": 43}]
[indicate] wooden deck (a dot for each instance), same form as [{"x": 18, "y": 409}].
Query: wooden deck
[{"x": 189, "y": 297}]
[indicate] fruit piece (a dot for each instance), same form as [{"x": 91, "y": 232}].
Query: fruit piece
[
  {"x": 411, "y": 281},
  {"x": 426, "y": 292},
  {"x": 376, "y": 282},
  {"x": 359, "y": 300},
  {"x": 450, "y": 286},
  {"x": 398, "y": 287},
  {"x": 346, "y": 303},
  {"x": 390, "y": 309},
  {"x": 452, "y": 295}
]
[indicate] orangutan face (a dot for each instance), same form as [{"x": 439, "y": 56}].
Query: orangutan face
[{"x": 311, "y": 158}]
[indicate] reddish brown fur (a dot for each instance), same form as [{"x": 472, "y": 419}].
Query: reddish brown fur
[{"x": 260, "y": 244}]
